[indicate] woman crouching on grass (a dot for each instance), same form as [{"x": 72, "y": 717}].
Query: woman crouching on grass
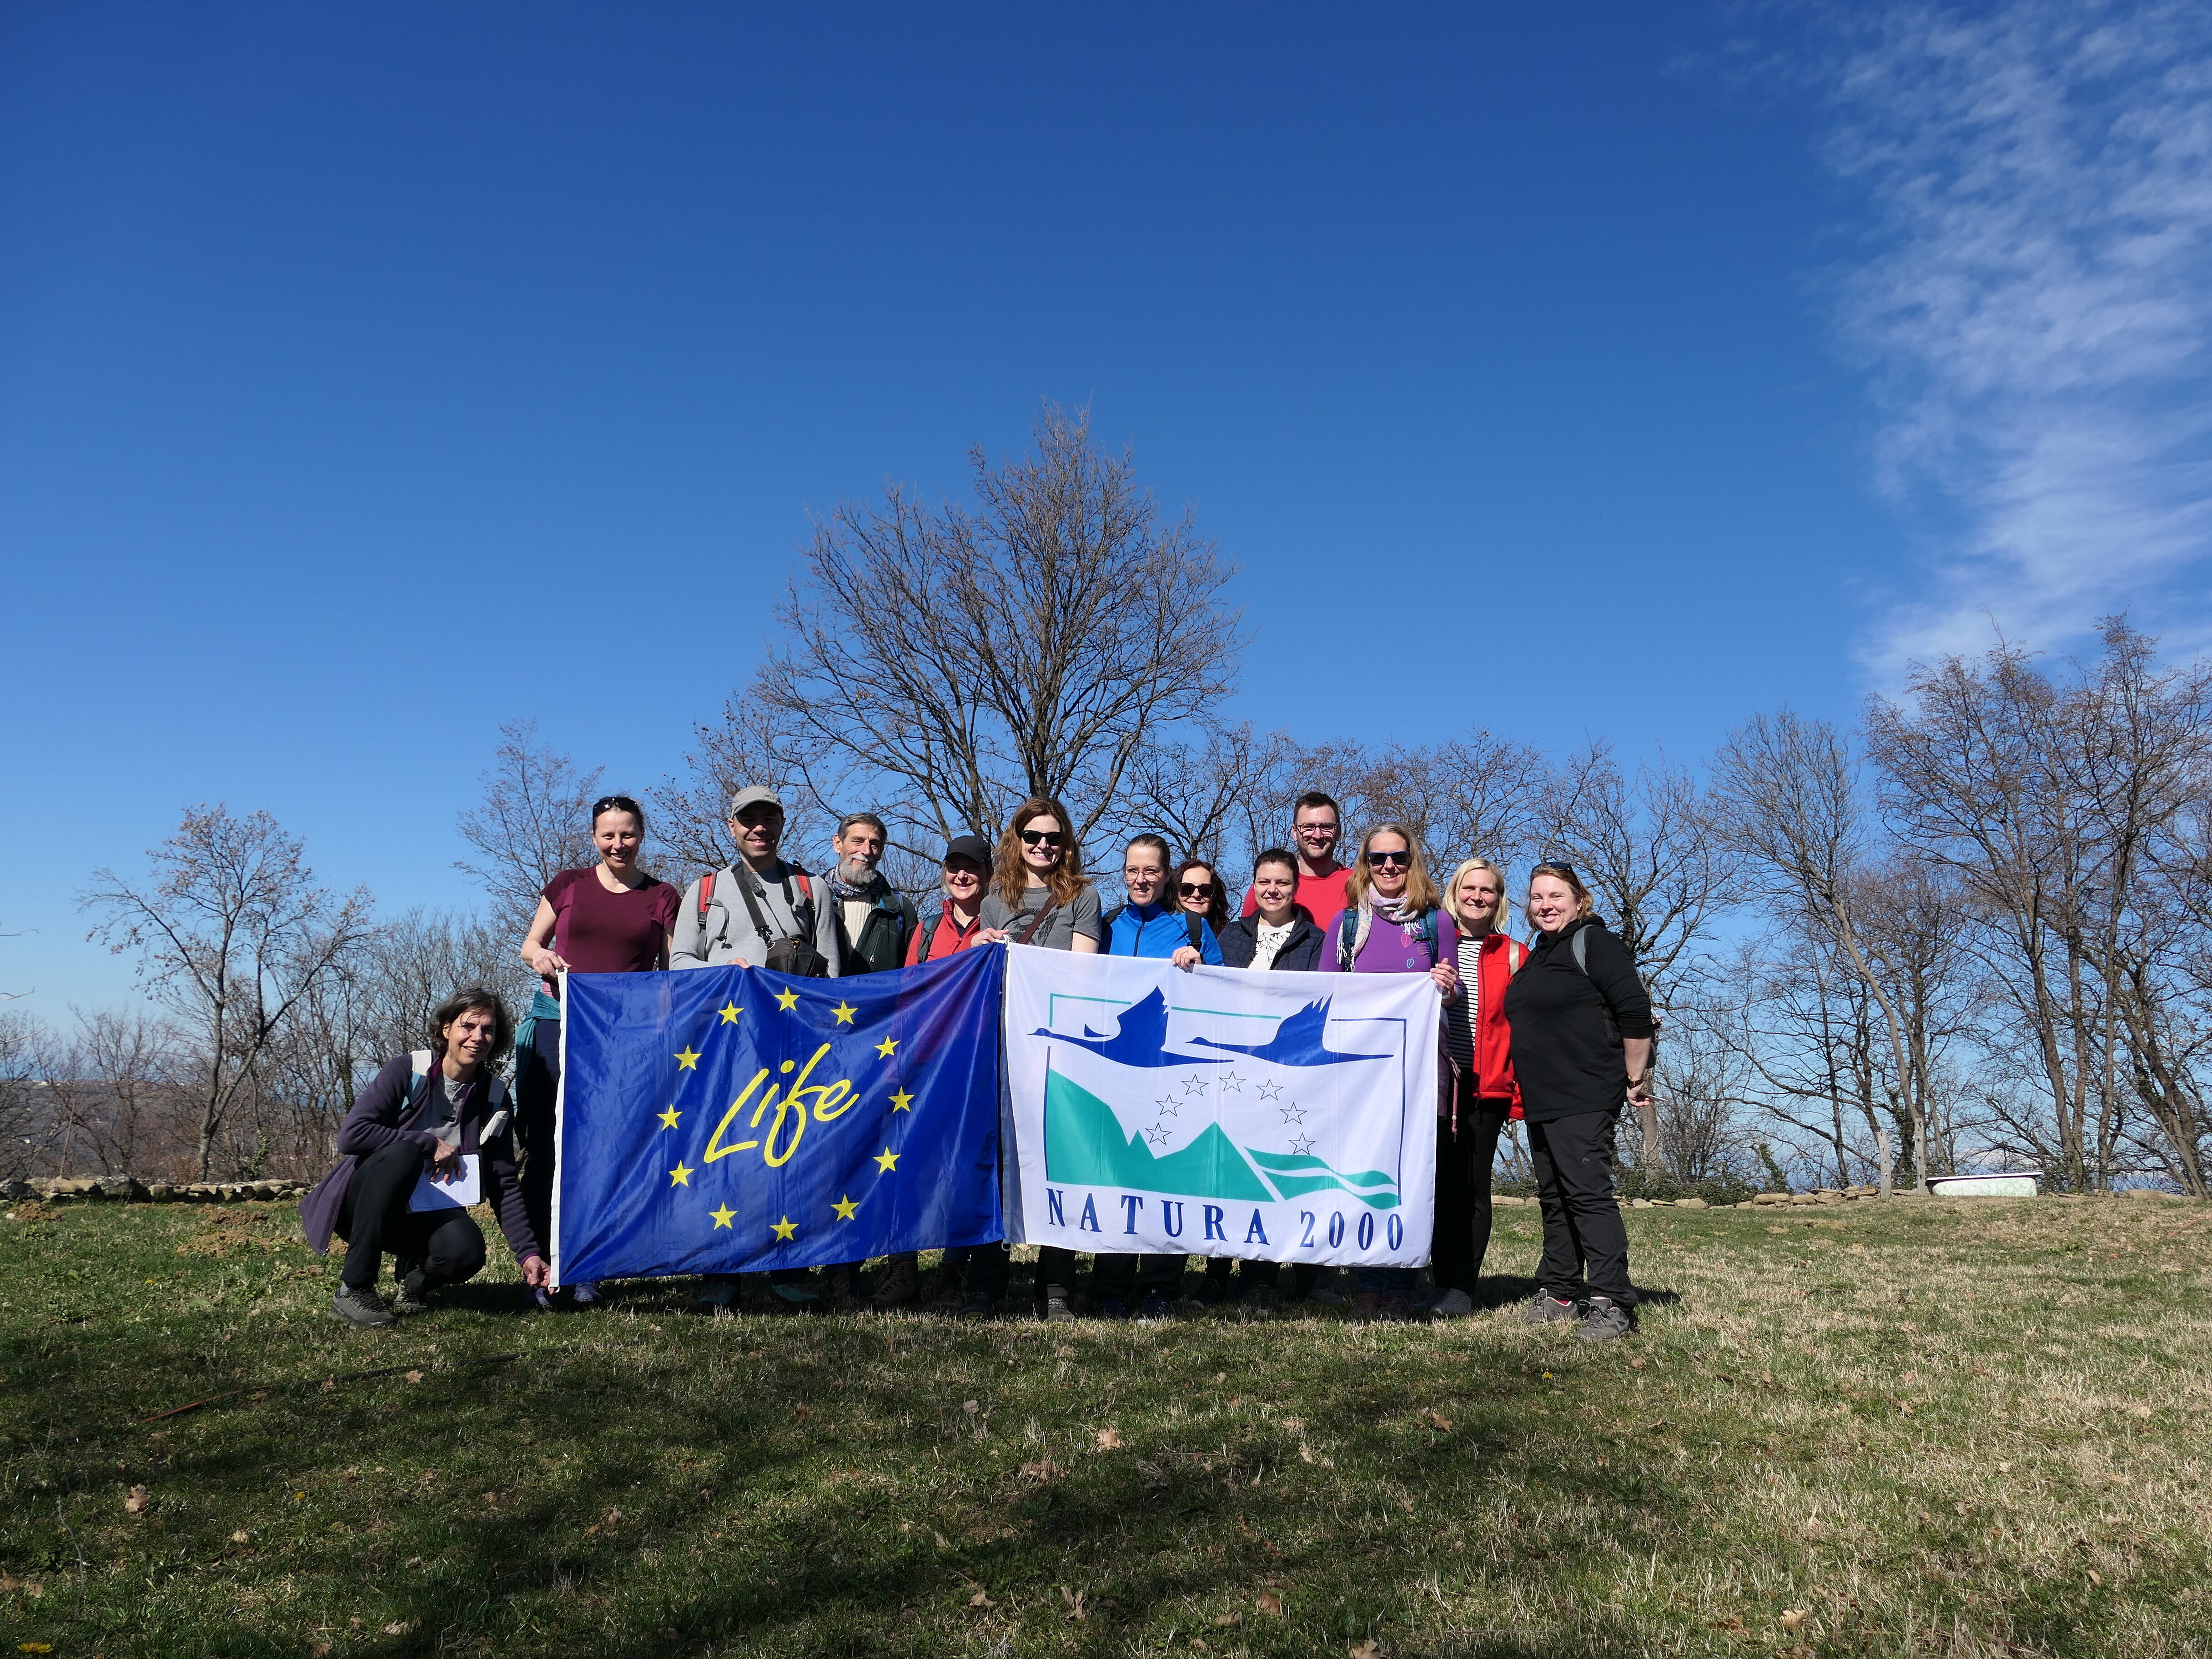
[{"x": 436, "y": 1110}]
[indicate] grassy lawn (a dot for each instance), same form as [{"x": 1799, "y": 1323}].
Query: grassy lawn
[{"x": 1917, "y": 1427}]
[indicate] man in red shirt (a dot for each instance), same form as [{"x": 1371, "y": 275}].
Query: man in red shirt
[{"x": 1316, "y": 826}]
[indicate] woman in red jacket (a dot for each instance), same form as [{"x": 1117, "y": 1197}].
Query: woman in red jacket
[{"x": 1484, "y": 1095}]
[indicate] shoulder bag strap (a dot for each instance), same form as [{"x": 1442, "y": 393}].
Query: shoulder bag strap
[
  {"x": 744, "y": 879},
  {"x": 1038, "y": 921}
]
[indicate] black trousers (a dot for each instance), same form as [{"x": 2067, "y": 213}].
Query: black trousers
[
  {"x": 1113, "y": 1273},
  {"x": 1464, "y": 1157},
  {"x": 1585, "y": 1242},
  {"x": 536, "y": 1093},
  {"x": 1303, "y": 1273},
  {"x": 441, "y": 1247}
]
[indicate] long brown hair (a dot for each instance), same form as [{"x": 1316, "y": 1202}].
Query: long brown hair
[
  {"x": 1216, "y": 909},
  {"x": 1010, "y": 871},
  {"x": 1420, "y": 892}
]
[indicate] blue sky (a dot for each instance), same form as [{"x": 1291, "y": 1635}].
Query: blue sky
[{"x": 370, "y": 376}]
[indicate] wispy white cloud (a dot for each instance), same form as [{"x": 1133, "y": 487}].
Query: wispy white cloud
[{"x": 2034, "y": 302}]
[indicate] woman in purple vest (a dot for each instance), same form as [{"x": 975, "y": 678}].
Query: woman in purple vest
[{"x": 1393, "y": 922}]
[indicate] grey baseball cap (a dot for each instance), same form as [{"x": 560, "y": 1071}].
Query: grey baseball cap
[{"x": 755, "y": 794}]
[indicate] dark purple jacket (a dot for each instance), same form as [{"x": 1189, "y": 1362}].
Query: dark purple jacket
[{"x": 384, "y": 1113}]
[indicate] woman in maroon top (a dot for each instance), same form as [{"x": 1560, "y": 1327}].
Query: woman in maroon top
[{"x": 606, "y": 918}]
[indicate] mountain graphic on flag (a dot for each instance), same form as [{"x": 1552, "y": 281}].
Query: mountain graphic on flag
[{"x": 1085, "y": 1146}]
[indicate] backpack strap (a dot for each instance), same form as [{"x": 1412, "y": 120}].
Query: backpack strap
[
  {"x": 1348, "y": 937},
  {"x": 706, "y": 898},
  {"x": 929, "y": 938},
  {"x": 1580, "y": 945},
  {"x": 1429, "y": 934},
  {"x": 1193, "y": 926}
]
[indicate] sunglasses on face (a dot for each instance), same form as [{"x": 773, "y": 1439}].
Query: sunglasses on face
[
  {"x": 1041, "y": 837},
  {"x": 1196, "y": 890},
  {"x": 1391, "y": 861}
]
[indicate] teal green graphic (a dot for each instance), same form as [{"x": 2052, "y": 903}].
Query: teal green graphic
[
  {"x": 1295, "y": 1175},
  {"x": 1085, "y": 1147}
]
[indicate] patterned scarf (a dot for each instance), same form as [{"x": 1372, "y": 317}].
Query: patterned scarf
[{"x": 846, "y": 893}]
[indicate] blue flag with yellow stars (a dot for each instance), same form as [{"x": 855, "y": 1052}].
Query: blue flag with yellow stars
[{"x": 728, "y": 1119}]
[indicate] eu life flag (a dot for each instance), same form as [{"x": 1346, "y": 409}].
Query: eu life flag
[{"x": 728, "y": 1120}]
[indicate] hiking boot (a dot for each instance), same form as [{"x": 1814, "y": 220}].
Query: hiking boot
[
  {"x": 1396, "y": 1310},
  {"x": 793, "y": 1300},
  {"x": 1113, "y": 1308},
  {"x": 900, "y": 1287},
  {"x": 584, "y": 1294},
  {"x": 1212, "y": 1292},
  {"x": 1262, "y": 1298},
  {"x": 948, "y": 1290},
  {"x": 1056, "y": 1310},
  {"x": 1367, "y": 1304},
  {"x": 1452, "y": 1305},
  {"x": 1544, "y": 1308},
  {"x": 360, "y": 1305},
  {"x": 718, "y": 1295},
  {"x": 414, "y": 1296},
  {"x": 978, "y": 1306},
  {"x": 1606, "y": 1321},
  {"x": 1155, "y": 1307},
  {"x": 541, "y": 1298}
]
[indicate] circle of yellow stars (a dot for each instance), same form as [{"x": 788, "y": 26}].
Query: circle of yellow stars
[{"x": 847, "y": 1207}]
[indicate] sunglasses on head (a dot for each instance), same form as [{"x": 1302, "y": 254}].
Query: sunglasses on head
[
  {"x": 1041, "y": 837},
  {"x": 1558, "y": 867},
  {"x": 1392, "y": 860},
  {"x": 1196, "y": 890},
  {"x": 616, "y": 803}
]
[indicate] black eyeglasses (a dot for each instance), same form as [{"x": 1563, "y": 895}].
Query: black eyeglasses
[
  {"x": 1196, "y": 890},
  {"x": 1042, "y": 837},
  {"x": 1392, "y": 860}
]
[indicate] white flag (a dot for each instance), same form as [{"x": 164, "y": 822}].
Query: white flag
[{"x": 1283, "y": 1117}]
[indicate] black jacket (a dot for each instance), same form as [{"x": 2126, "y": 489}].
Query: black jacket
[
  {"x": 884, "y": 929},
  {"x": 1567, "y": 1024},
  {"x": 1301, "y": 952}
]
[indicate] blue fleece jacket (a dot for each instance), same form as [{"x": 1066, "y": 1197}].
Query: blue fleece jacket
[{"x": 1149, "y": 931}]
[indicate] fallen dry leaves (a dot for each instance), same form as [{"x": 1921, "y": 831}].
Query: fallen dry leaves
[
  {"x": 1270, "y": 1603},
  {"x": 138, "y": 1502},
  {"x": 1110, "y": 1440}
]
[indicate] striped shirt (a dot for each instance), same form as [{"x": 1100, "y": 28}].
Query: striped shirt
[{"x": 1464, "y": 1011}]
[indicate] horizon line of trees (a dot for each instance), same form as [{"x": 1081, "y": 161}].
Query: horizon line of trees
[{"x": 1972, "y": 924}]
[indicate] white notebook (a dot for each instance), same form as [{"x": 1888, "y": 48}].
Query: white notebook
[{"x": 456, "y": 1193}]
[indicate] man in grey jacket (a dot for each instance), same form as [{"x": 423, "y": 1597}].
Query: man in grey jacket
[
  {"x": 791, "y": 903},
  {"x": 793, "y": 906}
]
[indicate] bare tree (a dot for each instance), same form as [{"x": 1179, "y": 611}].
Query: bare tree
[
  {"x": 946, "y": 664},
  {"x": 534, "y": 821},
  {"x": 230, "y": 933},
  {"x": 1206, "y": 796},
  {"x": 1477, "y": 794},
  {"x": 19, "y": 1084},
  {"x": 1795, "y": 813},
  {"x": 117, "y": 1100},
  {"x": 750, "y": 743}
]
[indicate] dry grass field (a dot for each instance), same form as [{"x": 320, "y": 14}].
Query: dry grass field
[{"x": 1963, "y": 1428}]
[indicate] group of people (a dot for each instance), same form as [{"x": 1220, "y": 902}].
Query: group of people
[{"x": 1556, "y": 1032}]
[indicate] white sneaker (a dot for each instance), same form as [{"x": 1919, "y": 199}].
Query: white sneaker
[{"x": 585, "y": 1294}]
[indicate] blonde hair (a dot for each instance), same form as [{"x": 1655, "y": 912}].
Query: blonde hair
[
  {"x": 1420, "y": 892},
  {"x": 1501, "y": 919}
]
